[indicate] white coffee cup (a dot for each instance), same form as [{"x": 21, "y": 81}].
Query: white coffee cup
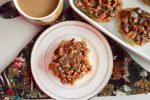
[{"x": 42, "y": 20}]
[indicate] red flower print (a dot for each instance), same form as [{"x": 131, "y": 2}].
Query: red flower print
[
  {"x": 18, "y": 62},
  {"x": 10, "y": 92}
]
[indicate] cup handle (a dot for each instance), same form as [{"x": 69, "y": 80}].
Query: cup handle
[{"x": 8, "y": 10}]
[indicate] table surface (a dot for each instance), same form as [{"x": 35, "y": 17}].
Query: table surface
[{"x": 16, "y": 34}]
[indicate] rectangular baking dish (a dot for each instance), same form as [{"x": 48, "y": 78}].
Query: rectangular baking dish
[{"x": 111, "y": 28}]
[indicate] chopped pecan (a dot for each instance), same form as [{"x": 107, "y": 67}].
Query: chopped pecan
[
  {"x": 147, "y": 1},
  {"x": 135, "y": 24},
  {"x": 70, "y": 61},
  {"x": 101, "y": 10}
]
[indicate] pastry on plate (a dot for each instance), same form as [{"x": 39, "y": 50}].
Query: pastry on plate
[
  {"x": 70, "y": 61},
  {"x": 135, "y": 25},
  {"x": 100, "y": 10},
  {"x": 147, "y": 1}
]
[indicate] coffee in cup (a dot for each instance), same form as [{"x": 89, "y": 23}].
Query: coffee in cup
[{"x": 41, "y": 12}]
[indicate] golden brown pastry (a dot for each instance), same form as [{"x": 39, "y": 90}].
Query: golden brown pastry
[
  {"x": 100, "y": 10},
  {"x": 70, "y": 61},
  {"x": 135, "y": 25},
  {"x": 147, "y": 1}
]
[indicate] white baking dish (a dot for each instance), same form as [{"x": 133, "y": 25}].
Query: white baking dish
[{"x": 111, "y": 28}]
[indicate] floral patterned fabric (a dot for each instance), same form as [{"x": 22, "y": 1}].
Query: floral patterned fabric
[{"x": 128, "y": 78}]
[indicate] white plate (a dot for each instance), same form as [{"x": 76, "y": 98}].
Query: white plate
[
  {"x": 111, "y": 28},
  {"x": 100, "y": 58}
]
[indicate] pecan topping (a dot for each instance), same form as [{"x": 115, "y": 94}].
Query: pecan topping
[
  {"x": 101, "y": 10},
  {"x": 135, "y": 24},
  {"x": 70, "y": 61},
  {"x": 147, "y": 1}
]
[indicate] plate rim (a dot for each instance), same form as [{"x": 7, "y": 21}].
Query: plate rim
[
  {"x": 106, "y": 45},
  {"x": 94, "y": 23}
]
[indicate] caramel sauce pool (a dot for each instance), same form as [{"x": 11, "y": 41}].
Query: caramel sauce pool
[{"x": 38, "y": 8}]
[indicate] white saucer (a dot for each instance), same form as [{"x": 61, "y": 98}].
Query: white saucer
[{"x": 100, "y": 58}]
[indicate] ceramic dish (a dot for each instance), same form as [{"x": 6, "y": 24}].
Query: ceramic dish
[
  {"x": 111, "y": 28},
  {"x": 145, "y": 64},
  {"x": 100, "y": 58}
]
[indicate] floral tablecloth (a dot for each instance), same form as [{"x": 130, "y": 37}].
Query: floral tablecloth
[{"x": 128, "y": 78}]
